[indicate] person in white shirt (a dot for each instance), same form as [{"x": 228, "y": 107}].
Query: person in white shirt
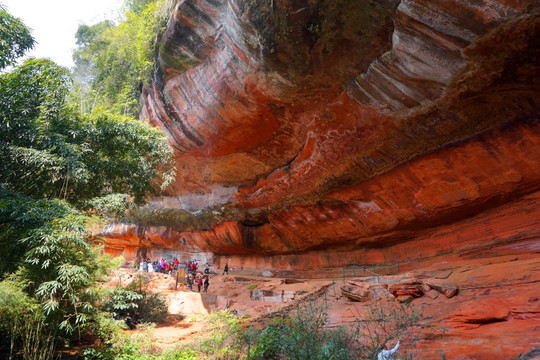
[{"x": 388, "y": 354}]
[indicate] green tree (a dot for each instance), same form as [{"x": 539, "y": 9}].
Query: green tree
[
  {"x": 15, "y": 38},
  {"x": 54, "y": 163},
  {"x": 121, "y": 57},
  {"x": 90, "y": 45},
  {"x": 50, "y": 150}
]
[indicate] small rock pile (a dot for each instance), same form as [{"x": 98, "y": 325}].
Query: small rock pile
[{"x": 403, "y": 288}]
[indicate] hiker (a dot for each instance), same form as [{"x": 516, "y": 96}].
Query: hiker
[
  {"x": 175, "y": 264},
  {"x": 388, "y": 354},
  {"x": 226, "y": 269},
  {"x": 168, "y": 268},
  {"x": 189, "y": 283},
  {"x": 199, "y": 283},
  {"x": 129, "y": 322},
  {"x": 136, "y": 318},
  {"x": 206, "y": 283},
  {"x": 156, "y": 266},
  {"x": 145, "y": 266},
  {"x": 162, "y": 265},
  {"x": 207, "y": 269}
]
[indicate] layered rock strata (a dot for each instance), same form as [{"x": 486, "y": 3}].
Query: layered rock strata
[
  {"x": 345, "y": 126},
  {"x": 312, "y": 137}
]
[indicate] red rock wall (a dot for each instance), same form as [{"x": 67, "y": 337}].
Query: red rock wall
[
  {"x": 439, "y": 209},
  {"x": 353, "y": 128},
  {"x": 240, "y": 109},
  {"x": 311, "y": 136}
]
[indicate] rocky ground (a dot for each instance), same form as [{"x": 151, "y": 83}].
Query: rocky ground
[{"x": 482, "y": 308}]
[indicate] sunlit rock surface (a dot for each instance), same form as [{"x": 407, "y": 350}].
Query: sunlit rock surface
[
  {"x": 326, "y": 125},
  {"x": 316, "y": 134}
]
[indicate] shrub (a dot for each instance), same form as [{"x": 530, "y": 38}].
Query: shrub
[
  {"x": 385, "y": 322},
  {"x": 224, "y": 337},
  {"x": 152, "y": 307},
  {"x": 301, "y": 337}
]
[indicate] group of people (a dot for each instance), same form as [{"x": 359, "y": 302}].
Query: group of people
[
  {"x": 192, "y": 266},
  {"x": 167, "y": 267},
  {"x": 192, "y": 278},
  {"x": 161, "y": 266}
]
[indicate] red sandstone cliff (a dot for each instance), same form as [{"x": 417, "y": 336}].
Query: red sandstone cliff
[
  {"x": 344, "y": 125},
  {"x": 325, "y": 133}
]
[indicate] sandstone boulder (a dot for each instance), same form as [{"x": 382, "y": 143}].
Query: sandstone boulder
[
  {"x": 447, "y": 288},
  {"x": 400, "y": 290},
  {"x": 432, "y": 294},
  {"x": 355, "y": 293},
  {"x": 380, "y": 291}
]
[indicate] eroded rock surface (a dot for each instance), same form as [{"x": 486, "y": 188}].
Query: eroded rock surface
[
  {"x": 310, "y": 135},
  {"x": 342, "y": 125},
  {"x": 302, "y": 126}
]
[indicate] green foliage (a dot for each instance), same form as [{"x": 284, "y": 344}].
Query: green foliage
[
  {"x": 19, "y": 215},
  {"x": 111, "y": 205},
  {"x": 301, "y": 337},
  {"x": 21, "y": 318},
  {"x": 126, "y": 156},
  {"x": 49, "y": 150},
  {"x": 45, "y": 241},
  {"x": 104, "y": 263},
  {"x": 122, "y": 301},
  {"x": 32, "y": 96},
  {"x": 125, "y": 347},
  {"x": 15, "y": 38},
  {"x": 224, "y": 338},
  {"x": 14, "y": 305},
  {"x": 119, "y": 58},
  {"x": 50, "y": 297},
  {"x": 39, "y": 338},
  {"x": 152, "y": 307},
  {"x": 59, "y": 267},
  {"x": 90, "y": 44},
  {"x": 55, "y": 162},
  {"x": 109, "y": 331}
]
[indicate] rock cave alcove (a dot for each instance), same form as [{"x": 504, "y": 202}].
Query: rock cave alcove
[{"x": 314, "y": 135}]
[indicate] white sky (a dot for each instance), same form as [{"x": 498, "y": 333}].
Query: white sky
[{"x": 54, "y": 22}]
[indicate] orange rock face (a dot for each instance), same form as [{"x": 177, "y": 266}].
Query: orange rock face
[{"x": 313, "y": 136}]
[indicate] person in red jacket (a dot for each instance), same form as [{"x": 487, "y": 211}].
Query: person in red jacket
[{"x": 199, "y": 283}]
